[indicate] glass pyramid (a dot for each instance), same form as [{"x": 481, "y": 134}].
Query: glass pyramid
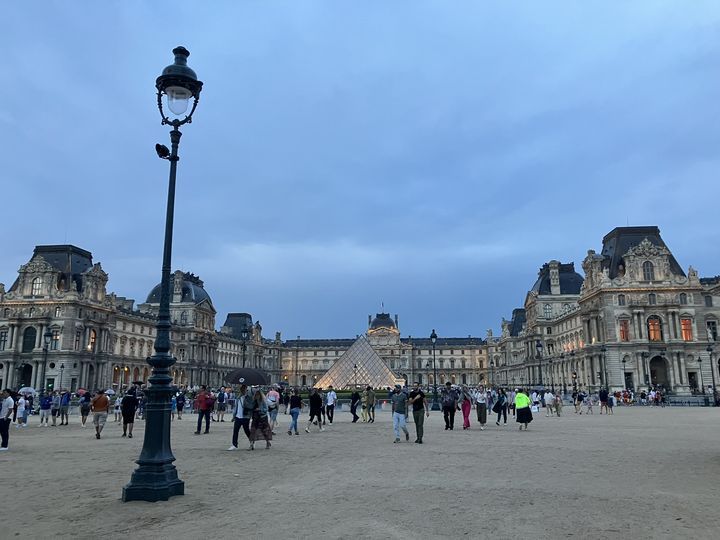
[{"x": 371, "y": 370}]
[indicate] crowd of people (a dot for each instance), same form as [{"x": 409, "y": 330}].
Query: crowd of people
[{"x": 255, "y": 409}]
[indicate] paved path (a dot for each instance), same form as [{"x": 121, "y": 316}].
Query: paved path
[{"x": 642, "y": 473}]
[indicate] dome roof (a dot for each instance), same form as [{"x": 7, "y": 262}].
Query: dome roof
[
  {"x": 570, "y": 280},
  {"x": 382, "y": 320},
  {"x": 191, "y": 288}
]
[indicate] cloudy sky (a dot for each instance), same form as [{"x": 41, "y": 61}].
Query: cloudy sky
[{"x": 428, "y": 155}]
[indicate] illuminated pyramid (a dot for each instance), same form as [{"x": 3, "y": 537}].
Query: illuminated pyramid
[{"x": 371, "y": 370}]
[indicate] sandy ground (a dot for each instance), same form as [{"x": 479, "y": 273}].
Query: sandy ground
[{"x": 642, "y": 473}]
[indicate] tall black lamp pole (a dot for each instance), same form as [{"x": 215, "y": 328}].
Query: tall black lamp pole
[
  {"x": 539, "y": 348},
  {"x": 47, "y": 338},
  {"x": 156, "y": 477},
  {"x": 712, "y": 371},
  {"x": 436, "y": 402}
]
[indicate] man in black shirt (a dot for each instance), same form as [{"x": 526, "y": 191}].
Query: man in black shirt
[
  {"x": 354, "y": 402},
  {"x": 316, "y": 405},
  {"x": 419, "y": 407}
]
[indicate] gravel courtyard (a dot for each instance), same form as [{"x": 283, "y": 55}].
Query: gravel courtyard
[{"x": 642, "y": 473}]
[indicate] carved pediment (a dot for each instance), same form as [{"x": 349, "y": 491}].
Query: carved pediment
[
  {"x": 37, "y": 265},
  {"x": 646, "y": 249}
]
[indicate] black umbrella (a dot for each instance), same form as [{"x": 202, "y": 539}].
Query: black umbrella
[{"x": 249, "y": 376}]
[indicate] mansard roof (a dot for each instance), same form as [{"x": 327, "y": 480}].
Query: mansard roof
[
  {"x": 518, "y": 321},
  {"x": 620, "y": 240}
]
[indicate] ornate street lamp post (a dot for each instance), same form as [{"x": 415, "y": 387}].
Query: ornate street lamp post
[
  {"x": 539, "y": 349},
  {"x": 244, "y": 334},
  {"x": 622, "y": 375},
  {"x": 702, "y": 382},
  {"x": 62, "y": 368},
  {"x": 436, "y": 402},
  {"x": 712, "y": 370},
  {"x": 604, "y": 379},
  {"x": 492, "y": 373},
  {"x": 355, "y": 375},
  {"x": 552, "y": 376},
  {"x": 156, "y": 477},
  {"x": 47, "y": 338}
]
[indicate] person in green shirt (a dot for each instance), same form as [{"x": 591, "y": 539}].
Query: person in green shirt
[{"x": 523, "y": 414}]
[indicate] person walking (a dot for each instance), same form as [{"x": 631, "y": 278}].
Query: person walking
[
  {"x": 603, "y": 395},
  {"x": 354, "y": 402},
  {"x": 222, "y": 398},
  {"x": 84, "y": 408},
  {"x": 204, "y": 405},
  {"x": 399, "y": 400},
  {"x": 65, "y": 408},
  {"x": 481, "y": 406},
  {"x": 129, "y": 406},
  {"x": 55, "y": 409},
  {"x": 371, "y": 404},
  {"x": 260, "y": 426},
  {"x": 45, "y": 405},
  {"x": 180, "y": 401},
  {"x": 241, "y": 415},
  {"x": 549, "y": 398},
  {"x": 364, "y": 406},
  {"x": 331, "y": 400},
  {"x": 100, "y": 406},
  {"x": 118, "y": 408},
  {"x": 295, "y": 404},
  {"x": 558, "y": 404},
  {"x": 315, "y": 410},
  {"x": 21, "y": 417},
  {"x": 420, "y": 411},
  {"x": 7, "y": 405},
  {"x": 501, "y": 407},
  {"x": 449, "y": 405},
  {"x": 522, "y": 409},
  {"x": 273, "y": 401},
  {"x": 465, "y": 405}
]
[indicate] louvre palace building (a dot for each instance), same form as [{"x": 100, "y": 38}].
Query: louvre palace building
[{"x": 633, "y": 319}]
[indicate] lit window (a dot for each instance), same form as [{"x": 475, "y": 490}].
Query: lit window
[
  {"x": 55, "y": 342},
  {"x": 58, "y": 312},
  {"x": 648, "y": 271},
  {"x": 686, "y": 329},
  {"x": 621, "y": 299},
  {"x": 654, "y": 329},
  {"x": 37, "y": 284},
  {"x": 624, "y": 330}
]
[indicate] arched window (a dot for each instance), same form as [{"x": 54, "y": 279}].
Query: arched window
[
  {"x": 683, "y": 299},
  {"x": 92, "y": 338},
  {"x": 652, "y": 299},
  {"x": 37, "y": 284},
  {"x": 655, "y": 329},
  {"x": 29, "y": 338},
  {"x": 547, "y": 311},
  {"x": 183, "y": 318},
  {"x": 648, "y": 271},
  {"x": 621, "y": 299}
]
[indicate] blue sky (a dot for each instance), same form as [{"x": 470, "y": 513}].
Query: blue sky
[{"x": 428, "y": 155}]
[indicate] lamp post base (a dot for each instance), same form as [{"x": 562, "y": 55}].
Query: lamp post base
[{"x": 152, "y": 483}]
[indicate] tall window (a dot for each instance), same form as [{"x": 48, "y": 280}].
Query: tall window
[
  {"x": 624, "y": 330},
  {"x": 37, "y": 284},
  {"x": 686, "y": 329},
  {"x": 78, "y": 335},
  {"x": 654, "y": 329},
  {"x": 29, "y": 338},
  {"x": 55, "y": 341},
  {"x": 652, "y": 299},
  {"x": 648, "y": 271},
  {"x": 91, "y": 341},
  {"x": 621, "y": 299},
  {"x": 547, "y": 310},
  {"x": 58, "y": 312},
  {"x": 683, "y": 298},
  {"x": 712, "y": 331},
  {"x": 708, "y": 301},
  {"x": 183, "y": 318},
  {"x": 3, "y": 340}
]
